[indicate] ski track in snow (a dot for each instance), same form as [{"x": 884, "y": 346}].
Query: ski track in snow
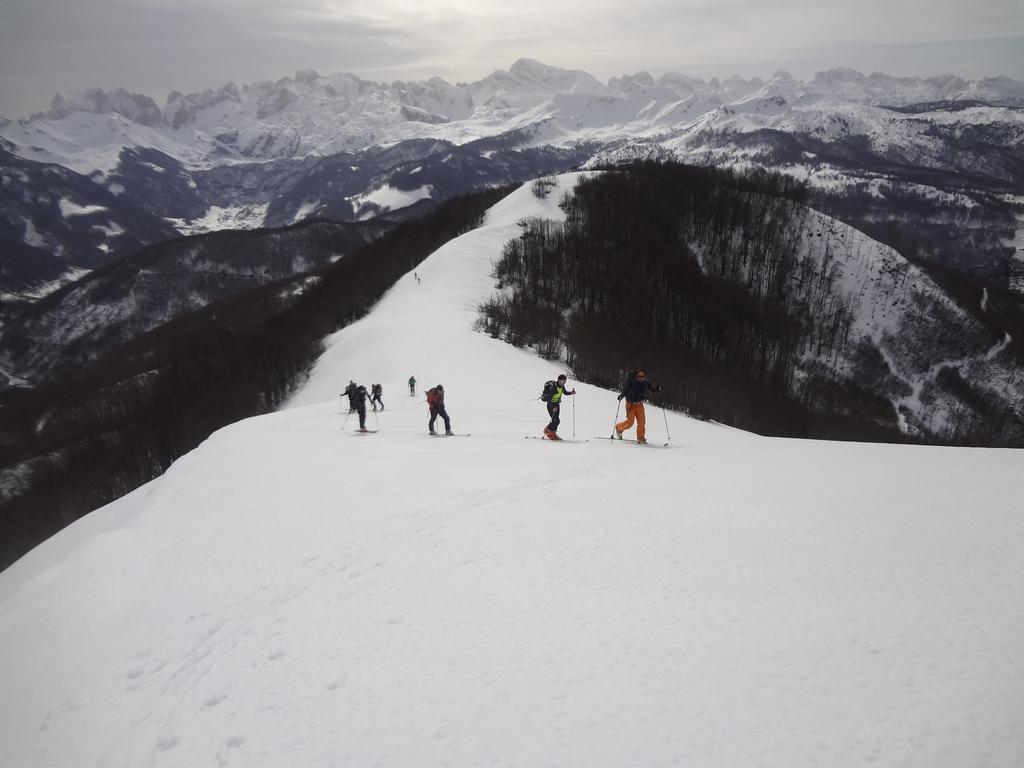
[{"x": 285, "y": 595}]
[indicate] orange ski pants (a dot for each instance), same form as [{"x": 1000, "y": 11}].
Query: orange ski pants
[{"x": 634, "y": 411}]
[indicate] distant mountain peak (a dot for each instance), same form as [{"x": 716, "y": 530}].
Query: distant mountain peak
[
  {"x": 535, "y": 70},
  {"x": 135, "y": 106},
  {"x": 839, "y": 75}
]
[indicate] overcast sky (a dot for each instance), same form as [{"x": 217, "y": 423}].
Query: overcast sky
[{"x": 155, "y": 46}]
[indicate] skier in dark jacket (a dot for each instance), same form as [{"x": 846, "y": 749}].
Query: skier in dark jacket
[
  {"x": 412, "y": 386},
  {"x": 435, "y": 402},
  {"x": 555, "y": 407},
  {"x": 357, "y": 395},
  {"x": 376, "y": 391},
  {"x": 635, "y": 391}
]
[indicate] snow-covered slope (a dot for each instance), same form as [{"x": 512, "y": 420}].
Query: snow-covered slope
[
  {"x": 905, "y": 333},
  {"x": 292, "y": 593}
]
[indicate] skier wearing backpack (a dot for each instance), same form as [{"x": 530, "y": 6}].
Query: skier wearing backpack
[
  {"x": 377, "y": 390},
  {"x": 552, "y": 395},
  {"x": 635, "y": 391},
  {"x": 435, "y": 402},
  {"x": 412, "y": 386},
  {"x": 357, "y": 402}
]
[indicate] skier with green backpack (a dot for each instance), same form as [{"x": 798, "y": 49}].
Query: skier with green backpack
[{"x": 552, "y": 394}]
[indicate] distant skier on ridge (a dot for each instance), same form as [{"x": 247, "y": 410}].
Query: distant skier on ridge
[
  {"x": 357, "y": 395},
  {"x": 552, "y": 395},
  {"x": 376, "y": 391},
  {"x": 635, "y": 391},
  {"x": 412, "y": 386}
]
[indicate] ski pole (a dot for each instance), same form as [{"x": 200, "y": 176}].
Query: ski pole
[
  {"x": 616, "y": 418},
  {"x": 574, "y": 416},
  {"x": 667, "y": 433},
  {"x": 376, "y": 419},
  {"x": 346, "y": 419}
]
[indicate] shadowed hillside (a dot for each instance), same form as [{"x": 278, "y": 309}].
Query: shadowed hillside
[{"x": 758, "y": 311}]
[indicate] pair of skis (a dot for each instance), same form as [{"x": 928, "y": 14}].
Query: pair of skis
[
  {"x": 440, "y": 434},
  {"x": 536, "y": 437},
  {"x": 559, "y": 440},
  {"x": 616, "y": 439}
]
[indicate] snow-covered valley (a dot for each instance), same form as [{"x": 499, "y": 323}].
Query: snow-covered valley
[{"x": 293, "y": 592}]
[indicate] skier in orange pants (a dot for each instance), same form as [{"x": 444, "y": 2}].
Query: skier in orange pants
[
  {"x": 634, "y": 411},
  {"x": 635, "y": 392}
]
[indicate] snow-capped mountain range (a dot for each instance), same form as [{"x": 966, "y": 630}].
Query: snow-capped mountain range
[
  {"x": 345, "y": 148},
  {"x": 321, "y": 115}
]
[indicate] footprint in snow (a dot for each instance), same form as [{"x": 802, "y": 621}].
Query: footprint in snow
[
  {"x": 214, "y": 700},
  {"x": 167, "y": 742}
]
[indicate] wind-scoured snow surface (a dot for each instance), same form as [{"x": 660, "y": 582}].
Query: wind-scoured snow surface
[{"x": 292, "y": 593}]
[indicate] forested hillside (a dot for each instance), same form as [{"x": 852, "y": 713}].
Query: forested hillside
[
  {"x": 123, "y": 300},
  {"x": 756, "y": 311},
  {"x": 76, "y": 443}
]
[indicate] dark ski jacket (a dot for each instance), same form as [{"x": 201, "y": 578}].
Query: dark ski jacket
[
  {"x": 356, "y": 396},
  {"x": 638, "y": 390}
]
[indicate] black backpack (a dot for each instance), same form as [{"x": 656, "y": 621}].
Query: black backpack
[{"x": 550, "y": 387}]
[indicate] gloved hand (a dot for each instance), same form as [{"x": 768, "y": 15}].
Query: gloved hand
[
  {"x": 573, "y": 392},
  {"x": 620, "y": 397}
]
